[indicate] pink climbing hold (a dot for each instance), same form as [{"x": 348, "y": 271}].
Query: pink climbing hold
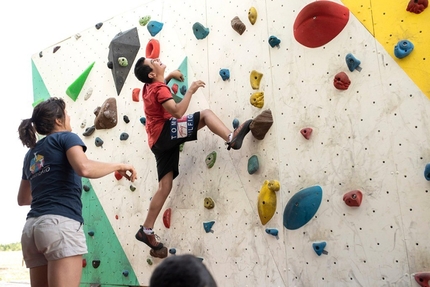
[
  {"x": 341, "y": 81},
  {"x": 422, "y": 278},
  {"x": 175, "y": 88},
  {"x": 306, "y": 132},
  {"x": 417, "y": 6},
  {"x": 353, "y": 198},
  {"x": 320, "y": 22}
]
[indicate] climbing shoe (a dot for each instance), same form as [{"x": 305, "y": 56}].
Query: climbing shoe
[
  {"x": 149, "y": 239},
  {"x": 238, "y": 136},
  {"x": 162, "y": 253}
]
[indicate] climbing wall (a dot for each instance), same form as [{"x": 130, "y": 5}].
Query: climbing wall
[{"x": 371, "y": 137}]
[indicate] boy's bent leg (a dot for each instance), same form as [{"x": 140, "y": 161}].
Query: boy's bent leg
[{"x": 215, "y": 125}]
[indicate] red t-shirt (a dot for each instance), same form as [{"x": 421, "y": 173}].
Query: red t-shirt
[{"x": 154, "y": 95}]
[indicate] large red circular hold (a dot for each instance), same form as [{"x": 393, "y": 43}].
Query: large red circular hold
[
  {"x": 153, "y": 49},
  {"x": 320, "y": 22}
]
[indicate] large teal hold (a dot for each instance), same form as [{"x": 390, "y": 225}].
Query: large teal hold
[
  {"x": 154, "y": 27},
  {"x": 302, "y": 207},
  {"x": 200, "y": 31}
]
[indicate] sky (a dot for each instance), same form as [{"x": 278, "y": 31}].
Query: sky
[{"x": 28, "y": 27}]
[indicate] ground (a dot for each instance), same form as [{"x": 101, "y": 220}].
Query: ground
[{"x": 12, "y": 269}]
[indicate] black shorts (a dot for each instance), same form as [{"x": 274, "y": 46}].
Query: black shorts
[{"x": 174, "y": 133}]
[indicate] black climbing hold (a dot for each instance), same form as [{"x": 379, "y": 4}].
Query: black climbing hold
[
  {"x": 143, "y": 120},
  {"x": 89, "y": 131},
  {"x": 126, "y": 119},
  {"x": 99, "y": 25},
  {"x": 123, "y": 136},
  {"x": 96, "y": 263},
  {"x": 110, "y": 65},
  {"x": 91, "y": 233},
  {"x": 98, "y": 142},
  {"x": 86, "y": 188}
]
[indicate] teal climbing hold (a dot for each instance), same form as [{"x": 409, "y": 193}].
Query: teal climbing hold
[
  {"x": 200, "y": 31},
  {"x": 40, "y": 92},
  {"x": 208, "y": 226},
  {"x": 253, "y": 164},
  {"x": 302, "y": 207},
  {"x": 235, "y": 123},
  {"x": 154, "y": 27},
  {"x": 319, "y": 247}
]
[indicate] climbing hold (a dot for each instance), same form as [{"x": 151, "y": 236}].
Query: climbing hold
[
  {"x": 172, "y": 251},
  {"x": 116, "y": 217},
  {"x": 89, "y": 131},
  {"x": 209, "y": 203},
  {"x": 88, "y": 94},
  {"x": 122, "y": 61},
  {"x": 135, "y": 94},
  {"x": 210, "y": 159},
  {"x": 208, "y": 226},
  {"x": 353, "y": 198},
  {"x": 403, "y": 48},
  {"x": 77, "y": 36},
  {"x": 306, "y": 133},
  {"x": 341, "y": 81},
  {"x": 152, "y": 49},
  {"x": 83, "y": 124},
  {"x": 166, "y": 217},
  {"x": 417, "y": 6},
  {"x": 183, "y": 90},
  {"x": 320, "y": 22},
  {"x": 106, "y": 115},
  {"x": 181, "y": 147},
  {"x": 56, "y": 48},
  {"x": 123, "y": 136},
  {"x": 154, "y": 27},
  {"x": 352, "y": 62},
  {"x": 110, "y": 65},
  {"x": 144, "y": 20},
  {"x": 118, "y": 176},
  {"x": 143, "y": 120},
  {"x": 422, "y": 278},
  {"x": 91, "y": 233},
  {"x": 253, "y": 164},
  {"x": 40, "y": 54},
  {"x": 125, "y": 273},
  {"x": 132, "y": 187},
  {"x": 302, "y": 207},
  {"x": 238, "y": 25},
  {"x": 98, "y": 142},
  {"x": 252, "y": 15},
  {"x": 235, "y": 123},
  {"x": 261, "y": 124},
  {"x": 126, "y": 119},
  {"x": 86, "y": 188},
  {"x": 319, "y": 248},
  {"x": 257, "y": 99},
  {"x": 272, "y": 231},
  {"x": 96, "y": 263},
  {"x": 149, "y": 261},
  {"x": 267, "y": 200},
  {"x": 84, "y": 263},
  {"x": 75, "y": 88},
  {"x": 200, "y": 31},
  {"x": 255, "y": 78},
  {"x": 274, "y": 42},
  {"x": 99, "y": 25},
  {"x": 427, "y": 171},
  {"x": 225, "y": 74},
  {"x": 174, "y": 88}
]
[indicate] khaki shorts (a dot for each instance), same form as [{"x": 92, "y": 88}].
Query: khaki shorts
[{"x": 51, "y": 237}]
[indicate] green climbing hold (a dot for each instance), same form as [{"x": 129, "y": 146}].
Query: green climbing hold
[
  {"x": 144, "y": 20},
  {"x": 253, "y": 164},
  {"x": 149, "y": 261},
  {"x": 122, "y": 61},
  {"x": 181, "y": 147},
  {"x": 210, "y": 159},
  {"x": 75, "y": 88}
]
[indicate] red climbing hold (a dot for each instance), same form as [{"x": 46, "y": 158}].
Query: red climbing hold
[
  {"x": 417, "y": 6},
  {"x": 175, "y": 88},
  {"x": 306, "y": 132},
  {"x": 118, "y": 176},
  {"x": 166, "y": 217},
  {"x": 135, "y": 94},
  {"x": 320, "y": 22},
  {"x": 422, "y": 278},
  {"x": 84, "y": 263},
  {"x": 341, "y": 81},
  {"x": 153, "y": 49},
  {"x": 353, "y": 198}
]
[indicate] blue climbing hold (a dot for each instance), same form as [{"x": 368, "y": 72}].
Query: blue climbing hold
[
  {"x": 236, "y": 123},
  {"x": 154, "y": 27},
  {"x": 208, "y": 226},
  {"x": 200, "y": 31},
  {"x": 143, "y": 120},
  {"x": 91, "y": 233},
  {"x": 352, "y": 63},
  {"x": 183, "y": 90},
  {"x": 274, "y": 41},
  {"x": 302, "y": 207},
  {"x": 319, "y": 247},
  {"x": 125, "y": 273},
  {"x": 403, "y": 48},
  {"x": 253, "y": 164},
  {"x": 123, "y": 136},
  {"x": 427, "y": 172},
  {"x": 225, "y": 74},
  {"x": 172, "y": 251},
  {"x": 272, "y": 231}
]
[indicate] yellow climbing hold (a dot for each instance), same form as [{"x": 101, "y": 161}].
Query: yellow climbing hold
[
  {"x": 267, "y": 200},
  {"x": 257, "y": 99},
  {"x": 255, "y": 79},
  {"x": 252, "y": 15}
]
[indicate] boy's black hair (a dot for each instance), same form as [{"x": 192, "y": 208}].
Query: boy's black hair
[
  {"x": 181, "y": 271},
  {"x": 141, "y": 71}
]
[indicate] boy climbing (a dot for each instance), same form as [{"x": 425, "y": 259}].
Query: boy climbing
[{"x": 167, "y": 129}]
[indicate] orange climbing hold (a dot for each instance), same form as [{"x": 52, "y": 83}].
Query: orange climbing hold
[
  {"x": 135, "y": 94},
  {"x": 166, "y": 217},
  {"x": 353, "y": 198},
  {"x": 320, "y": 22},
  {"x": 153, "y": 49}
]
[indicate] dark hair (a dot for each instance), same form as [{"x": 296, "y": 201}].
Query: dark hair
[
  {"x": 181, "y": 271},
  {"x": 42, "y": 121},
  {"x": 141, "y": 71}
]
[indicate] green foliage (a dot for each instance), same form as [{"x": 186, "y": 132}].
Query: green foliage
[{"x": 11, "y": 247}]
